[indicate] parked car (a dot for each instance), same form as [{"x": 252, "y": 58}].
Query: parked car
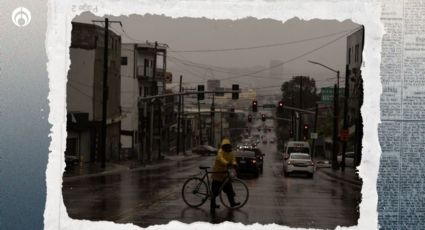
[
  {"x": 204, "y": 150},
  {"x": 298, "y": 162},
  {"x": 264, "y": 141},
  {"x": 349, "y": 159},
  {"x": 247, "y": 163},
  {"x": 258, "y": 155}
]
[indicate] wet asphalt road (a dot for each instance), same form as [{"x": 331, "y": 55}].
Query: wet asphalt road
[{"x": 148, "y": 197}]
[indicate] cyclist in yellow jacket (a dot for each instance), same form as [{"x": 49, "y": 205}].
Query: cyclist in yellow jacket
[{"x": 223, "y": 160}]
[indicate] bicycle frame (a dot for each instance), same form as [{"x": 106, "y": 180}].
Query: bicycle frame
[{"x": 206, "y": 173}]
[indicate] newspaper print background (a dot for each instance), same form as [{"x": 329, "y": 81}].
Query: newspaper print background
[{"x": 401, "y": 182}]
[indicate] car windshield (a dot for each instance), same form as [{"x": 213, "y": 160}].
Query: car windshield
[
  {"x": 298, "y": 150},
  {"x": 300, "y": 156}
]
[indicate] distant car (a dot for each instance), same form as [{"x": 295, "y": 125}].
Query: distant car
[
  {"x": 298, "y": 162},
  {"x": 258, "y": 154},
  {"x": 272, "y": 141},
  {"x": 204, "y": 150},
  {"x": 247, "y": 163},
  {"x": 264, "y": 141},
  {"x": 349, "y": 159}
]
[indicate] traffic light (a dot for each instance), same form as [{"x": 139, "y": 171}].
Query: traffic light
[
  {"x": 254, "y": 106},
  {"x": 263, "y": 117},
  {"x": 235, "y": 87},
  {"x": 249, "y": 118},
  {"x": 201, "y": 95},
  {"x": 305, "y": 131},
  {"x": 280, "y": 106}
]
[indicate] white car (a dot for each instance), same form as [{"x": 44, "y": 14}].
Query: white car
[{"x": 298, "y": 162}]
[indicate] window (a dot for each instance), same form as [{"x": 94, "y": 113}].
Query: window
[{"x": 124, "y": 60}]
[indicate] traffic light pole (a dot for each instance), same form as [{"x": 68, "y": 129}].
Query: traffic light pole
[
  {"x": 200, "y": 123},
  {"x": 212, "y": 122}
]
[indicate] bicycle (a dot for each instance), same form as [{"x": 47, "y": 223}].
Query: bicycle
[{"x": 196, "y": 192}]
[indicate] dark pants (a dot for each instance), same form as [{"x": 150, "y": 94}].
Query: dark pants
[{"x": 228, "y": 189}]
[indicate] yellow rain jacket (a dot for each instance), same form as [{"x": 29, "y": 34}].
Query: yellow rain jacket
[{"x": 221, "y": 161}]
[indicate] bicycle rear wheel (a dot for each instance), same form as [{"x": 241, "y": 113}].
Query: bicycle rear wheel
[
  {"x": 195, "y": 192},
  {"x": 241, "y": 193}
]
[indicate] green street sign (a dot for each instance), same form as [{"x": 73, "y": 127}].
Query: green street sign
[{"x": 328, "y": 94}]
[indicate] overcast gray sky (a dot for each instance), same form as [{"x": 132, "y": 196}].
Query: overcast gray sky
[{"x": 185, "y": 34}]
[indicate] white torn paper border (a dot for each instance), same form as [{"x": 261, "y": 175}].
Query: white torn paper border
[{"x": 61, "y": 13}]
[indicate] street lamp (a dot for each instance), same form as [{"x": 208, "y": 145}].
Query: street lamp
[{"x": 336, "y": 114}]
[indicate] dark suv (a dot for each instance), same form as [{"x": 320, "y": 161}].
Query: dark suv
[{"x": 258, "y": 155}]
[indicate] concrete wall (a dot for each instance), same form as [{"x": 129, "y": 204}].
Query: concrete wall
[
  {"x": 80, "y": 87},
  {"x": 129, "y": 94}
]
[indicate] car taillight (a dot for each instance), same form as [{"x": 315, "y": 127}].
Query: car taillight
[
  {"x": 311, "y": 163},
  {"x": 253, "y": 161}
]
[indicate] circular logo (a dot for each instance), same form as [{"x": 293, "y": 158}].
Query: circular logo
[{"x": 21, "y": 16}]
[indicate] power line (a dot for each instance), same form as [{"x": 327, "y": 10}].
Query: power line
[
  {"x": 294, "y": 58},
  {"x": 259, "y": 46}
]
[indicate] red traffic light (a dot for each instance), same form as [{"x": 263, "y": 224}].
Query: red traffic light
[
  {"x": 254, "y": 106},
  {"x": 280, "y": 105}
]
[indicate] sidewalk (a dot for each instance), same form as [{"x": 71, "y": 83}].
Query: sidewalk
[
  {"x": 349, "y": 175},
  {"x": 95, "y": 169}
]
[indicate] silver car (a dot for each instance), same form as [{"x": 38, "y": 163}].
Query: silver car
[{"x": 298, "y": 162}]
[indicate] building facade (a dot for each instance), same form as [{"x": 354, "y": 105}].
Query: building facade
[
  {"x": 147, "y": 124},
  {"x": 355, "y": 43},
  {"x": 85, "y": 93}
]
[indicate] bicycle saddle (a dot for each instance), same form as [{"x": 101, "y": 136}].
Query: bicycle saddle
[{"x": 204, "y": 167}]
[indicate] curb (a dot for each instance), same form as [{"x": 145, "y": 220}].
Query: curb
[{"x": 330, "y": 174}]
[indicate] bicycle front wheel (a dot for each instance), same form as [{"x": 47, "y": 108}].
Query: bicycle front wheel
[
  {"x": 240, "y": 193},
  {"x": 195, "y": 192}
]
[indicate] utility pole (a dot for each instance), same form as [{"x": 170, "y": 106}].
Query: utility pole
[
  {"x": 293, "y": 115},
  {"x": 345, "y": 124},
  {"x": 105, "y": 93},
  {"x": 300, "y": 106},
  {"x": 335, "y": 130},
  {"x": 315, "y": 129},
  {"x": 178, "y": 117}
]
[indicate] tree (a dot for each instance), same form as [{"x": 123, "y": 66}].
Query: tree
[{"x": 294, "y": 95}]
